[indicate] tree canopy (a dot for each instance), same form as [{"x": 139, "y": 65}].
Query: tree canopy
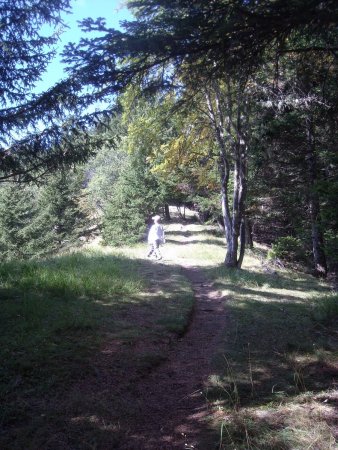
[
  {"x": 217, "y": 93},
  {"x": 196, "y": 35},
  {"x": 228, "y": 57},
  {"x": 37, "y": 132},
  {"x": 166, "y": 40}
]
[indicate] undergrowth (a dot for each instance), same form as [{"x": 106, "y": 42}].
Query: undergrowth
[
  {"x": 109, "y": 317},
  {"x": 274, "y": 378},
  {"x": 56, "y": 316}
]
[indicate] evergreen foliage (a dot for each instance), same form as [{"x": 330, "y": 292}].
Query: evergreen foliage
[
  {"x": 36, "y": 221},
  {"x": 287, "y": 248},
  {"x": 25, "y": 51},
  {"x": 219, "y": 47},
  {"x": 59, "y": 217},
  {"x": 38, "y": 132},
  {"x": 251, "y": 115},
  {"x": 103, "y": 172},
  {"x": 295, "y": 162},
  {"x": 134, "y": 198},
  {"x": 208, "y": 37},
  {"x": 18, "y": 207}
]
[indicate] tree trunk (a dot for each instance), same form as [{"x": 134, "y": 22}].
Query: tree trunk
[
  {"x": 242, "y": 242},
  {"x": 248, "y": 233},
  {"x": 227, "y": 126},
  {"x": 167, "y": 212},
  {"x": 314, "y": 202},
  {"x": 233, "y": 223},
  {"x": 230, "y": 234}
]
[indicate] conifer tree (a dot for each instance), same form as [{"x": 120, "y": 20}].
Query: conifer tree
[
  {"x": 36, "y": 221},
  {"x": 17, "y": 211},
  {"x": 135, "y": 196},
  {"x": 38, "y": 132},
  {"x": 103, "y": 170},
  {"x": 211, "y": 44},
  {"x": 59, "y": 218}
]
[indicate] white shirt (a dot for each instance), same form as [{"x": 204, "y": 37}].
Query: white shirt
[{"x": 156, "y": 232}]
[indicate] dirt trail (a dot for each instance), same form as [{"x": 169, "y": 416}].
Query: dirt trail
[{"x": 172, "y": 408}]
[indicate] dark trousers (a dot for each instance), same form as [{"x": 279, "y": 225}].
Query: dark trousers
[{"x": 154, "y": 249}]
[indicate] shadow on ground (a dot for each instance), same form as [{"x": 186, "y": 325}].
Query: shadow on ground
[{"x": 272, "y": 350}]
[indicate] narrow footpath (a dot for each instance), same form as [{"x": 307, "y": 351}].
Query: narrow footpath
[{"x": 173, "y": 410}]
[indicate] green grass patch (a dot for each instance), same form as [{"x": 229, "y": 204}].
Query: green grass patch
[
  {"x": 325, "y": 308},
  {"x": 58, "y": 314},
  {"x": 78, "y": 331},
  {"x": 51, "y": 310},
  {"x": 277, "y": 357},
  {"x": 175, "y": 318}
]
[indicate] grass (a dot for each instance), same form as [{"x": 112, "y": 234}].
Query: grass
[
  {"x": 273, "y": 385},
  {"x": 325, "y": 308},
  {"x": 78, "y": 331},
  {"x": 278, "y": 361},
  {"x": 60, "y": 317},
  {"x": 292, "y": 427},
  {"x": 51, "y": 307}
]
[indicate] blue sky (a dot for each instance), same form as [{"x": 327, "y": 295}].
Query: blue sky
[{"x": 114, "y": 11}]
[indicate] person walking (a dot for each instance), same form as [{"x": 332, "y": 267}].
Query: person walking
[{"x": 155, "y": 238}]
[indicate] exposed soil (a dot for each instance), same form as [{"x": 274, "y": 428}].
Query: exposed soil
[
  {"x": 160, "y": 405},
  {"x": 172, "y": 408},
  {"x": 148, "y": 392}
]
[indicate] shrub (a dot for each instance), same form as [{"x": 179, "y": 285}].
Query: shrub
[
  {"x": 325, "y": 308},
  {"x": 288, "y": 248}
]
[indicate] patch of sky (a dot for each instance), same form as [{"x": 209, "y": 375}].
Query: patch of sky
[{"x": 113, "y": 11}]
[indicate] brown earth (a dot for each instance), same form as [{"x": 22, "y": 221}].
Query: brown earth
[
  {"x": 149, "y": 392},
  {"x": 172, "y": 409},
  {"x": 158, "y": 403}
]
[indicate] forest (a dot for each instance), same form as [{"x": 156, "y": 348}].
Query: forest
[
  {"x": 240, "y": 123},
  {"x": 221, "y": 116}
]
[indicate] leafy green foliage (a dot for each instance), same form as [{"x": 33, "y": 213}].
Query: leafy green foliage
[
  {"x": 325, "y": 308},
  {"x": 60, "y": 218},
  {"x": 203, "y": 45},
  {"x": 288, "y": 248},
  {"x": 331, "y": 248},
  {"x": 263, "y": 71},
  {"x": 103, "y": 170}
]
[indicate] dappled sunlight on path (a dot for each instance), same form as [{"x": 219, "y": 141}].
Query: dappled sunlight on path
[
  {"x": 169, "y": 408},
  {"x": 174, "y": 403},
  {"x": 165, "y": 349},
  {"x": 173, "y": 411},
  {"x": 175, "y": 335},
  {"x": 181, "y": 245}
]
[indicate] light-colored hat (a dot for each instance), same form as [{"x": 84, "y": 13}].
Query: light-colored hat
[{"x": 157, "y": 217}]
